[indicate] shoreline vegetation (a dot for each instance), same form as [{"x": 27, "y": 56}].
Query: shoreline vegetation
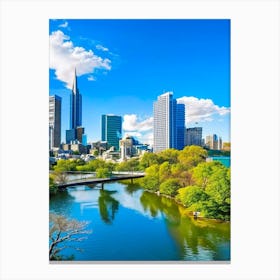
[
  {"x": 186, "y": 211},
  {"x": 184, "y": 176}
]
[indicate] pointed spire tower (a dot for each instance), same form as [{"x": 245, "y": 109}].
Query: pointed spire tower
[
  {"x": 75, "y": 87},
  {"x": 75, "y": 105}
]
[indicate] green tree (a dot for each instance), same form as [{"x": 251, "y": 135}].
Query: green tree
[
  {"x": 169, "y": 187},
  {"x": 103, "y": 172},
  {"x": 148, "y": 159},
  {"x": 218, "y": 187},
  {"x": 203, "y": 172},
  {"x": 164, "y": 171},
  {"x": 180, "y": 172},
  {"x": 129, "y": 165},
  {"x": 67, "y": 165},
  {"x": 191, "y": 195},
  {"x": 191, "y": 156},
  {"x": 214, "y": 179},
  {"x": 151, "y": 179},
  {"x": 53, "y": 187},
  {"x": 92, "y": 165},
  {"x": 59, "y": 177},
  {"x": 169, "y": 155}
]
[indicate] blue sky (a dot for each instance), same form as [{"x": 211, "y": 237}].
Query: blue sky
[{"x": 123, "y": 65}]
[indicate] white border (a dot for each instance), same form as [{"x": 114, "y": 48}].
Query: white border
[{"x": 255, "y": 137}]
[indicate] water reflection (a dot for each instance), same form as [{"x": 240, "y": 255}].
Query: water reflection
[
  {"x": 132, "y": 188},
  {"x": 154, "y": 226},
  {"x": 107, "y": 206},
  {"x": 195, "y": 239},
  {"x": 62, "y": 203}
]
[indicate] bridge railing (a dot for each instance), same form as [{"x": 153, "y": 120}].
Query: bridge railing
[
  {"x": 128, "y": 172},
  {"x": 76, "y": 176}
]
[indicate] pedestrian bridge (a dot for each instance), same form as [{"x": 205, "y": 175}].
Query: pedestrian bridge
[{"x": 89, "y": 178}]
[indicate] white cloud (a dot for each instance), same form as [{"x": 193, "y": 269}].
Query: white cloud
[
  {"x": 133, "y": 133},
  {"x": 147, "y": 138},
  {"x": 102, "y": 48},
  {"x": 131, "y": 123},
  {"x": 142, "y": 130},
  {"x": 64, "y": 57},
  {"x": 201, "y": 110},
  {"x": 91, "y": 78},
  {"x": 64, "y": 25}
]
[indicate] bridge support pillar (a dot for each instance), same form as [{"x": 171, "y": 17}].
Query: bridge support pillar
[{"x": 102, "y": 186}]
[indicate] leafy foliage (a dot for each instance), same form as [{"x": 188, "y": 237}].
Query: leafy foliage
[
  {"x": 191, "y": 156},
  {"x": 199, "y": 185},
  {"x": 68, "y": 164},
  {"x": 149, "y": 159},
  {"x": 169, "y": 155},
  {"x": 169, "y": 187},
  {"x": 191, "y": 195},
  {"x": 129, "y": 165},
  {"x": 103, "y": 172},
  {"x": 151, "y": 180},
  {"x": 164, "y": 171},
  {"x": 52, "y": 185}
]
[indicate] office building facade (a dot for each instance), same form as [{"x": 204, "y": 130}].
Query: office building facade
[
  {"x": 111, "y": 130},
  {"x": 213, "y": 142},
  {"x": 76, "y": 131},
  {"x": 180, "y": 124},
  {"x": 169, "y": 123},
  {"x": 193, "y": 136},
  {"x": 54, "y": 121}
]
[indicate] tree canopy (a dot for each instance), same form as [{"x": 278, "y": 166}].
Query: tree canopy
[{"x": 197, "y": 184}]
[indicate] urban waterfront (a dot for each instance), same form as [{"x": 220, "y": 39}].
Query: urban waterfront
[
  {"x": 130, "y": 224},
  {"x": 169, "y": 128}
]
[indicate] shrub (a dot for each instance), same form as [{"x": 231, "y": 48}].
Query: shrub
[
  {"x": 190, "y": 195},
  {"x": 169, "y": 187}
]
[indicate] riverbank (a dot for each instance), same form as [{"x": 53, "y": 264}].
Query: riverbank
[{"x": 187, "y": 212}]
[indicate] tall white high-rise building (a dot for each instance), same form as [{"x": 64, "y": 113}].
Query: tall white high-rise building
[{"x": 169, "y": 123}]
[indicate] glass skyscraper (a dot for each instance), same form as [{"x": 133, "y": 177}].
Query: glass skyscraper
[
  {"x": 75, "y": 105},
  {"x": 76, "y": 130},
  {"x": 54, "y": 121},
  {"x": 111, "y": 130},
  {"x": 180, "y": 124},
  {"x": 169, "y": 123}
]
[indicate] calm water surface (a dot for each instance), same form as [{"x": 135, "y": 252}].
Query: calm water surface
[
  {"x": 129, "y": 224},
  {"x": 224, "y": 160}
]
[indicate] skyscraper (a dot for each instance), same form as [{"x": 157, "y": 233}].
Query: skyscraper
[
  {"x": 180, "y": 124},
  {"x": 111, "y": 129},
  {"x": 194, "y": 136},
  {"x": 76, "y": 130},
  {"x": 169, "y": 123},
  {"x": 212, "y": 142},
  {"x": 54, "y": 121},
  {"x": 75, "y": 105}
]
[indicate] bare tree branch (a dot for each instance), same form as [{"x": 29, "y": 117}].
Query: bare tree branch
[{"x": 64, "y": 230}]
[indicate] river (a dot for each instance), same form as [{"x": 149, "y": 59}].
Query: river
[{"x": 130, "y": 224}]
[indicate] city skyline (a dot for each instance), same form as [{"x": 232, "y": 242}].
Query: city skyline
[{"x": 123, "y": 65}]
